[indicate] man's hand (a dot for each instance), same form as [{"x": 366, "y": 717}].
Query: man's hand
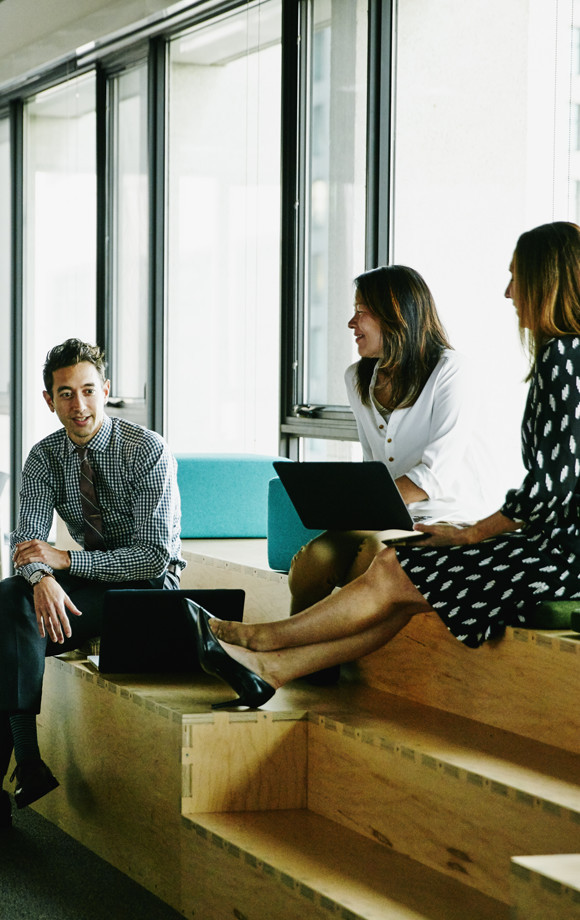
[
  {"x": 39, "y": 551},
  {"x": 50, "y": 605}
]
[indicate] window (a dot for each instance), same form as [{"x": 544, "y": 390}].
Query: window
[
  {"x": 59, "y": 234},
  {"x": 330, "y": 224},
  {"x": 223, "y": 247},
  {"x": 335, "y": 192},
  {"x": 417, "y": 134},
  {"x": 128, "y": 339}
]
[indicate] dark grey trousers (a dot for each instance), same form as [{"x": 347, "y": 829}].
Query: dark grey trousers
[{"x": 23, "y": 651}]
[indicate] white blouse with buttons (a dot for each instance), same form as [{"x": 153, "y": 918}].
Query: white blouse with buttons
[{"x": 440, "y": 442}]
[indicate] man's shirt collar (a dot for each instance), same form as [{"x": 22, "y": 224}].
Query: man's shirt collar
[{"x": 100, "y": 440}]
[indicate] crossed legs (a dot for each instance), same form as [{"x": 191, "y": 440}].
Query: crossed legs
[
  {"x": 330, "y": 561},
  {"x": 360, "y": 618}
]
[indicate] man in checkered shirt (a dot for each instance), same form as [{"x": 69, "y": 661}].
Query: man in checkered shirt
[{"x": 54, "y": 602}]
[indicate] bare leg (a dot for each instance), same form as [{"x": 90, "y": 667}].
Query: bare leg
[
  {"x": 379, "y": 593},
  {"x": 321, "y": 566},
  {"x": 279, "y": 667}
]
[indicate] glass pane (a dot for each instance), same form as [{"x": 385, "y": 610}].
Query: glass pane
[
  {"x": 223, "y": 234},
  {"x": 59, "y": 234},
  {"x": 337, "y": 189},
  {"x": 5, "y": 339},
  {"x": 129, "y": 230},
  {"x": 481, "y": 154},
  {"x": 319, "y": 449}
]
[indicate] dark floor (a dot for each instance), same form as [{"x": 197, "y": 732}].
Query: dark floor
[{"x": 46, "y": 875}]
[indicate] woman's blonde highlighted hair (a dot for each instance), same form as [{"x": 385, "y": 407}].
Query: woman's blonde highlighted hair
[{"x": 546, "y": 270}]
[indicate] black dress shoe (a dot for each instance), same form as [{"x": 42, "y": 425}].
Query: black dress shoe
[
  {"x": 252, "y": 690},
  {"x": 5, "y": 811},
  {"x": 33, "y": 780}
]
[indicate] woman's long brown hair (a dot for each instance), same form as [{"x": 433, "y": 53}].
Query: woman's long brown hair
[{"x": 413, "y": 336}]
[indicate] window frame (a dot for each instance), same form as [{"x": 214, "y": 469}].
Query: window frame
[
  {"x": 299, "y": 419},
  {"x": 151, "y": 54}
]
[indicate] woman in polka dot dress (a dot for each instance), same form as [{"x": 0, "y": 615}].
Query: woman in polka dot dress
[{"x": 478, "y": 578}]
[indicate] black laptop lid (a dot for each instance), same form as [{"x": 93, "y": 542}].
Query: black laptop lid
[
  {"x": 344, "y": 496},
  {"x": 149, "y": 631}
]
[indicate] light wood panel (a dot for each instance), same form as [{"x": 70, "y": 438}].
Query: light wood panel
[
  {"x": 267, "y": 596},
  {"x": 247, "y": 765},
  {"x": 117, "y": 758},
  {"x": 525, "y": 683},
  {"x": 461, "y": 823},
  {"x": 546, "y": 886},
  {"x": 330, "y": 870}
]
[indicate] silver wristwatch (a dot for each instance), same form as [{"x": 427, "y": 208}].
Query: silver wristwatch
[{"x": 38, "y": 576}]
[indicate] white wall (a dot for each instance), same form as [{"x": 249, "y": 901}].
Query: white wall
[{"x": 478, "y": 159}]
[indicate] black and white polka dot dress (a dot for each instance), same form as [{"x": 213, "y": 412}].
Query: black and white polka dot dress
[{"x": 478, "y": 590}]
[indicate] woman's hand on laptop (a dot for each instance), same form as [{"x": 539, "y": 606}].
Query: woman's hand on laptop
[{"x": 447, "y": 534}]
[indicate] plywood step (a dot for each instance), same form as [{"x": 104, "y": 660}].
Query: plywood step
[
  {"x": 331, "y": 871},
  {"x": 459, "y": 797},
  {"x": 525, "y": 683},
  {"x": 546, "y": 886}
]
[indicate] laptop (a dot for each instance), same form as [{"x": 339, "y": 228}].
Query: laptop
[
  {"x": 149, "y": 632},
  {"x": 347, "y": 496}
]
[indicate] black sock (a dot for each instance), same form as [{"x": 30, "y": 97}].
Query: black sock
[{"x": 23, "y": 727}]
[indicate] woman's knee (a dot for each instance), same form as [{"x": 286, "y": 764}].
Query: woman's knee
[
  {"x": 384, "y": 567},
  {"x": 312, "y": 563},
  {"x": 386, "y": 577}
]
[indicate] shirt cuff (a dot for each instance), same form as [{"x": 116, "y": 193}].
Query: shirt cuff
[
  {"x": 81, "y": 563},
  {"x": 28, "y": 570}
]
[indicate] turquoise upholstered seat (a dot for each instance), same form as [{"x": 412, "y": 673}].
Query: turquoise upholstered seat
[
  {"x": 224, "y": 495},
  {"x": 236, "y": 496},
  {"x": 286, "y": 532}
]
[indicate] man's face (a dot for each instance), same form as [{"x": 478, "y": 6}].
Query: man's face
[{"x": 78, "y": 398}]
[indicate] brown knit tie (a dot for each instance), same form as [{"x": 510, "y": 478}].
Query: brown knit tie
[{"x": 91, "y": 509}]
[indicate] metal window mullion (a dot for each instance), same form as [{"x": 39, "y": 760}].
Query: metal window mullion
[
  {"x": 295, "y": 45},
  {"x": 379, "y": 133},
  {"x": 304, "y": 203},
  {"x": 17, "y": 300},
  {"x": 157, "y": 153},
  {"x": 290, "y": 212},
  {"x": 102, "y": 256}
]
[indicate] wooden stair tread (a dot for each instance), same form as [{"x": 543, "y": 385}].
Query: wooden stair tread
[
  {"x": 534, "y": 768},
  {"x": 335, "y": 866},
  {"x": 563, "y": 869},
  {"x": 522, "y": 683}
]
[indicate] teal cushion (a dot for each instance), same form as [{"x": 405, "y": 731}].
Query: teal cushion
[
  {"x": 286, "y": 532},
  {"x": 224, "y": 495}
]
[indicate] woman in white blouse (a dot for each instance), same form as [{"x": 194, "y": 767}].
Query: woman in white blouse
[{"x": 416, "y": 408}]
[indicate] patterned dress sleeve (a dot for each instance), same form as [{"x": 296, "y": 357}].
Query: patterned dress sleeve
[{"x": 549, "y": 498}]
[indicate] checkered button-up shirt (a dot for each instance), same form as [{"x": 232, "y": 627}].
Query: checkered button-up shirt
[{"x": 136, "y": 483}]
